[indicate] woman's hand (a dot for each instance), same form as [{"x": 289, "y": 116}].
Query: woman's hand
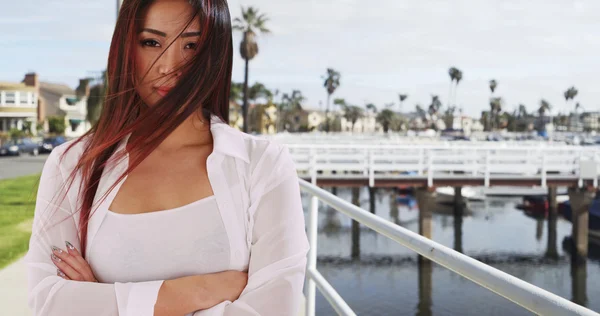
[{"x": 71, "y": 265}]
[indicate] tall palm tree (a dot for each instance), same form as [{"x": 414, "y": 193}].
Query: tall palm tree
[
  {"x": 332, "y": 82},
  {"x": 570, "y": 94},
  {"x": 455, "y": 75},
  {"x": 459, "y": 76},
  {"x": 250, "y": 23},
  {"x": 402, "y": 97}
]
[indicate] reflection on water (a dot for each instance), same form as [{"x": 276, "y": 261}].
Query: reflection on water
[{"x": 376, "y": 276}]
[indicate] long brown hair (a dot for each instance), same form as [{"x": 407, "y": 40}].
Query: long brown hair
[{"x": 203, "y": 88}]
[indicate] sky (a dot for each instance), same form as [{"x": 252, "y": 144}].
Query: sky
[{"x": 534, "y": 49}]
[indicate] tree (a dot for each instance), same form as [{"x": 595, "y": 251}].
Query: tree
[
  {"x": 495, "y": 109},
  {"x": 290, "y": 106},
  {"x": 332, "y": 82},
  {"x": 96, "y": 100},
  {"x": 56, "y": 125},
  {"x": 455, "y": 75},
  {"x": 353, "y": 113},
  {"x": 435, "y": 105},
  {"x": 250, "y": 23},
  {"x": 385, "y": 118},
  {"x": 372, "y": 107},
  {"x": 449, "y": 116},
  {"x": 402, "y": 97},
  {"x": 258, "y": 115},
  {"x": 493, "y": 85},
  {"x": 544, "y": 107},
  {"x": 570, "y": 94},
  {"x": 522, "y": 111},
  {"x": 236, "y": 92}
]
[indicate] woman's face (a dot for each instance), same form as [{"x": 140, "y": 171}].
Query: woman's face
[{"x": 163, "y": 21}]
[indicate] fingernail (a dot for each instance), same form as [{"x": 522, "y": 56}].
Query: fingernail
[
  {"x": 55, "y": 258},
  {"x": 69, "y": 245},
  {"x": 56, "y": 249},
  {"x": 60, "y": 273}
]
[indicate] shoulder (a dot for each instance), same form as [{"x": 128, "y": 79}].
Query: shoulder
[{"x": 265, "y": 152}]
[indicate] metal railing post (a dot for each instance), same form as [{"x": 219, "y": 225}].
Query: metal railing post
[
  {"x": 430, "y": 168},
  {"x": 371, "y": 170},
  {"x": 544, "y": 171},
  {"x": 487, "y": 168}
]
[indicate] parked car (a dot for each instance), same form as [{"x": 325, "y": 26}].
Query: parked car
[
  {"x": 50, "y": 143},
  {"x": 16, "y": 147}
]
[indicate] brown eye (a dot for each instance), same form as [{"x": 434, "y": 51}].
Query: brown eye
[
  {"x": 150, "y": 43},
  {"x": 191, "y": 46}
]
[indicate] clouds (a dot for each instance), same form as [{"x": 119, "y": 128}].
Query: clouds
[{"x": 535, "y": 49}]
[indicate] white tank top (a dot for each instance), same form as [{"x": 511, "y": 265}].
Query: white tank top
[{"x": 163, "y": 245}]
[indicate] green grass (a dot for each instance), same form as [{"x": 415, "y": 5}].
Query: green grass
[{"x": 17, "y": 204}]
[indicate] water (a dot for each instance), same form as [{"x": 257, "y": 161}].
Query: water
[{"x": 388, "y": 279}]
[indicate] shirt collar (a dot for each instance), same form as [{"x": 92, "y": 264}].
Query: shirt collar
[{"x": 226, "y": 140}]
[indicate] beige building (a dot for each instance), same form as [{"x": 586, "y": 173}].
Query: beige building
[
  {"x": 62, "y": 101},
  {"x": 19, "y": 104}
]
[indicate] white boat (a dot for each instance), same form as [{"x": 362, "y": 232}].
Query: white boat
[{"x": 446, "y": 194}]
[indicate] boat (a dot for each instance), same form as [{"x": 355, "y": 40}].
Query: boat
[
  {"x": 565, "y": 210},
  {"x": 446, "y": 194},
  {"x": 479, "y": 193},
  {"x": 538, "y": 205}
]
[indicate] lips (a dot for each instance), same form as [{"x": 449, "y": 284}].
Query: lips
[{"x": 162, "y": 91}]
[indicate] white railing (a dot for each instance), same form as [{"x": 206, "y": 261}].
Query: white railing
[
  {"x": 528, "y": 296},
  {"x": 442, "y": 162}
]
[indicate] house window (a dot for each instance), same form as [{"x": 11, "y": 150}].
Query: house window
[
  {"x": 9, "y": 98},
  {"x": 24, "y": 98}
]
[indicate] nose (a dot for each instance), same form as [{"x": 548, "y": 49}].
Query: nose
[{"x": 170, "y": 62}]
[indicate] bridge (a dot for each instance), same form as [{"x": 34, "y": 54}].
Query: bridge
[{"x": 426, "y": 164}]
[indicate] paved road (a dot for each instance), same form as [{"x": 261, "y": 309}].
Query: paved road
[{"x": 24, "y": 165}]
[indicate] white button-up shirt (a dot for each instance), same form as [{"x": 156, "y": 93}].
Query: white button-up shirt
[{"x": 257, "y": 192}]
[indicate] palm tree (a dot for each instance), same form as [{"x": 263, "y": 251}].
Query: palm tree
[
  {"x": 250, "y": 23},
  {"x": 332, "y": 82},
  {"x": 372, "y": 107},
  {"x": 455, "y": 75},
  {"x": 493, "y": 85},
  {"x": 570, "y": 94},
  {"x": 435, "y": 105},
  {"x": 402, "y": 97},
  {"x": 353, "y": 113},
  {"x": 385, "y": 118},
  {"x": 291, "y": 104},
  {"x": 449, "y": 117},
  {"x": 544, "y": 107},
  {"x": 496, "y": 108},
  {"x": 459, "y": 76},
  {"x": 522, "y": 111}
]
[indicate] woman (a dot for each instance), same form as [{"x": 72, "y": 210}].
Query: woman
[{"x": 162, "y": 208}]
